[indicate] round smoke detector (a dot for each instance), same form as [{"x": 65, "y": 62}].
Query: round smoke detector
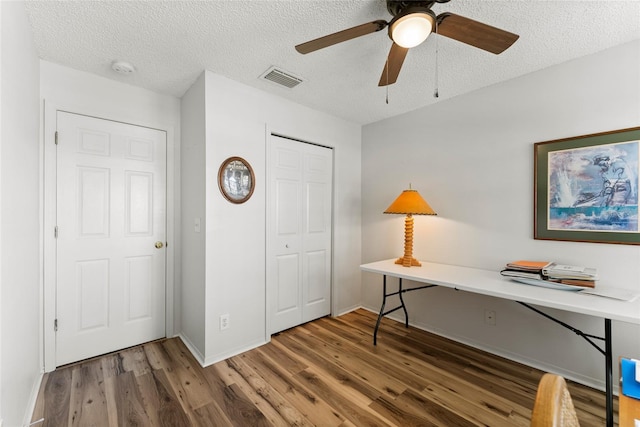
[{"x": 122, "y": 67}]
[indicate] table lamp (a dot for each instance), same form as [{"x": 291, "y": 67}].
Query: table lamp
[{"x": 409, "y": 203}]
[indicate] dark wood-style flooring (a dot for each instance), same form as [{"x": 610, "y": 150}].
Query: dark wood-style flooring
[{"x": 324, "y": 373}]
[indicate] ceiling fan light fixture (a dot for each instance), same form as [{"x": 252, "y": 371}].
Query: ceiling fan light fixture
[{"x": 412, "y": 27}]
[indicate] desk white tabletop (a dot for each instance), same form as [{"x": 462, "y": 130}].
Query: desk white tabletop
[{"x": 487, "y": 282}]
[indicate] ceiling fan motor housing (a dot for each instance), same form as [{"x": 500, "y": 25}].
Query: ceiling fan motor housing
[{"x": 395, "y": 7}]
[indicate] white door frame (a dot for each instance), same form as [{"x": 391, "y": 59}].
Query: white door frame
[{"x": 49, "y": 197}]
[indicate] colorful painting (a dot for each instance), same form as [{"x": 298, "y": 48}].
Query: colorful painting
[
  {"x": 586, "y": 188},
  {"x": 594, "y": 188}
]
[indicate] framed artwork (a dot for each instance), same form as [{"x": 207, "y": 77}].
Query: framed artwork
[
  {"x": 586, "y": 188},
  {"x": 236, "y": 180}
]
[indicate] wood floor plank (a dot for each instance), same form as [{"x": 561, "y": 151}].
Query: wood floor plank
[
  {"x": 112, "y": 402},
  {"x": 187, "y": 377},
  {"x": 57, "y": 396},
  {"x": 112, "y": 365},
  {"x": 157, "y": 355},
  {"x": 291, "y": 363},
  {"x": 316, "y": 410},
  {"x": 135, "y": 360},
  {"x": 271, "y": 403},
  {"x": 443, "y": 357},
  {"x": 88, "y": 403},
  {"x": 241, "y": 409},
  {"x": 353, "y": 362},
  {"x": 376, "y": 358},
  {"x": 241, "y": 373},
  {"x": 179, "y": 355},
  {"x": 419, "y": 370},
  {"x": 160, "y": 403},
  {"x": 321, "y": 361},
  {"x": 192, "y": 390},
  {"x": 325, "y": 373},
  {"x": 473, "y": 411},
  {"x": 345, "y": 400},
  {"x": 210, "y": 415},
  {"x": 403, "y": 415},
  {"x": 130, "y": 410},
  {"x": 236, "y": 405}
]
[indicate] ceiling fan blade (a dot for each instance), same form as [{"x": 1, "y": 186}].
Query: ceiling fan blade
[
  {"x": 341, "y": 36},
  {"x": 393, "y": 65},
  {"x": 475, "y": 33}
]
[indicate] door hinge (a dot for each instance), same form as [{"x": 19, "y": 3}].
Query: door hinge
[
  {"x": 55, "y": 232},
  {"x": 56, "y": 138},
  {"x": 55, "y": 325}
]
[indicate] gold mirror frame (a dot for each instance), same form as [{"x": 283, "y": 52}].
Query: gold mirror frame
[{"x": 236, "y": 180}]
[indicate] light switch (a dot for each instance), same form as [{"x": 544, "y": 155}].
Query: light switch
[{"x": 196, "y": 225}]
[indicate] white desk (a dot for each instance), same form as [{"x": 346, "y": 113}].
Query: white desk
[{"x": 487, "y": 282}]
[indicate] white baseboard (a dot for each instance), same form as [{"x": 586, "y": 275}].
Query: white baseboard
[
  {"x": 233, "y": 352},
  {"x": 32, "y": 400},
  {"x": 349, "y": 310},
  {"x": 192, "y": 348},
  {"x": 204, "y": 362}
]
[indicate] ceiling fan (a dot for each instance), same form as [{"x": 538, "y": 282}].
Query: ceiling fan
[{"x": 411, "y": 24}]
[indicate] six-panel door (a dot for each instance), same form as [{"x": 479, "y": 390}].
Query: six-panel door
[{"x": 111, "y": 209}]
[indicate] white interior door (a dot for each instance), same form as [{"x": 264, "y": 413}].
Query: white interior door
[
  {"x": 300, "y": 233},
  {"x": 111, "y": 232}
]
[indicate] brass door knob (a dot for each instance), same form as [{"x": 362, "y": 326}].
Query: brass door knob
[{"x": 159, "y": 245}]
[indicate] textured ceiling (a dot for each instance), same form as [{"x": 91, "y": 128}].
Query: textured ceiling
[{"x": 171, "y": 42}]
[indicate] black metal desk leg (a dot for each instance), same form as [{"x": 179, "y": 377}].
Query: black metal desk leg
[
  {"x": 608, "y": 370},
  {"x": 401, "y": 306},
  {"x": 404, "y": 307},
  {"x": 384, "y": 301}
]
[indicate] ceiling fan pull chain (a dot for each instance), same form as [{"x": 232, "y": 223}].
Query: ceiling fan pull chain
[
  {"x": 386, "y": 67},
  {"x": 435, "y": 92}
]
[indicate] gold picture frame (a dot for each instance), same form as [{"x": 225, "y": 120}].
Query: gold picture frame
[{"x": 236, "y": 180}]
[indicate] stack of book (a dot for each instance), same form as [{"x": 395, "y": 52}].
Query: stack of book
[{"x": 545, "y": 273}]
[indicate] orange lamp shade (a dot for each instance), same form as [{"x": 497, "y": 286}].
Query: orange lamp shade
[{"x": 410, "y": 202}]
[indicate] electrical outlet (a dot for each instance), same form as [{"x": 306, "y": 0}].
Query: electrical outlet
[
  {"x": 224, "y": 321},
  {"x": 490, "y": 317}
]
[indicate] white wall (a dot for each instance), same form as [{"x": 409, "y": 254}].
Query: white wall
[
  {"x": 193, "y": 206},
  {"x": 20, "y": 222},
  {"x": 249, "y": 106},
  {"x": 471, "y": 158},
  {"x": 84, "y": 93},
  {"x": 238, "y": 119}
]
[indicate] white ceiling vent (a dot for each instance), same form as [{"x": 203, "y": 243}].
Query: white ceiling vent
[{"x": 282, "y": 78}]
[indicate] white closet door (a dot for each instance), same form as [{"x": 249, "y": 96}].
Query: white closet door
[
  {"x": 300, "y": 233},
  {"x": 111, "y": 207}
]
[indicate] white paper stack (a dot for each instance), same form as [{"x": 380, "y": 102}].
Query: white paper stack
[{"x": 563, "y": 271}]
